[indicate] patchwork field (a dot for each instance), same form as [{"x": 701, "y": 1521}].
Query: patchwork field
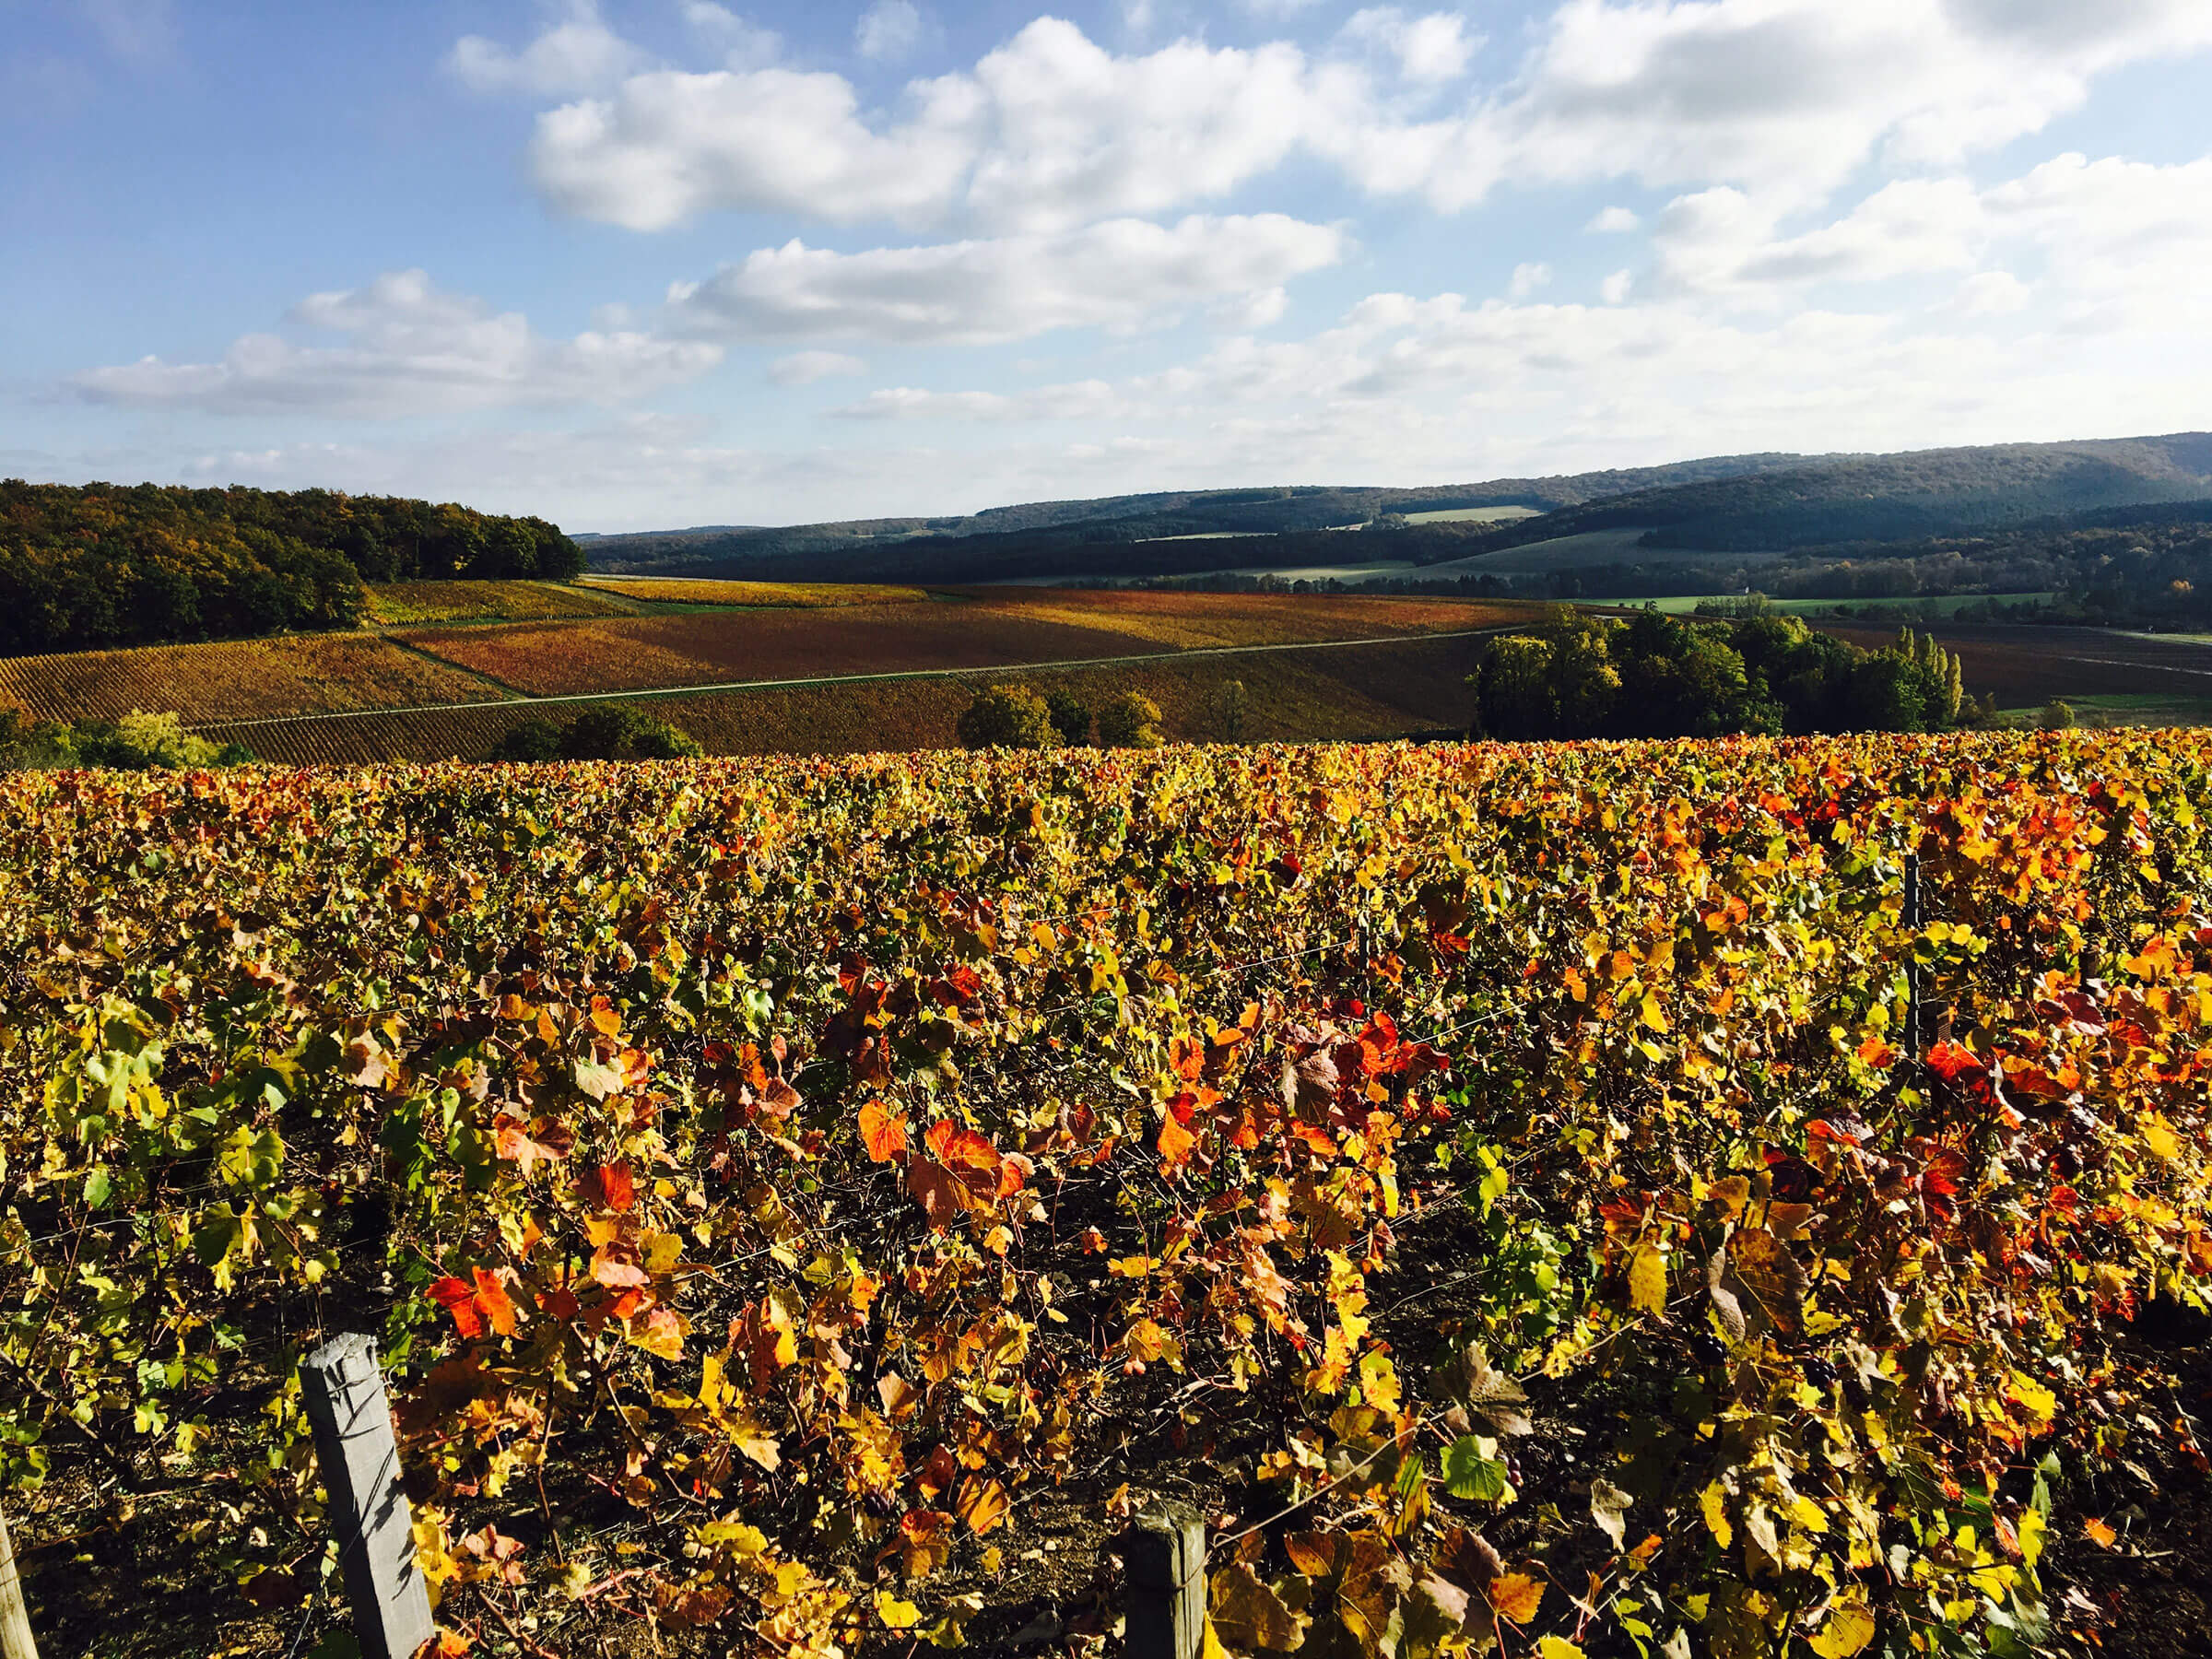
[
  {"x": 412, "y": 604},
  {"x": 1366, "y": 691},
  {"x": 805, "y": 595},
  {"x": 988, "y": 628},
  {"x": 239, "y": 680}
]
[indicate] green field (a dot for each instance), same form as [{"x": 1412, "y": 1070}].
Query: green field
[
  {"x": 1592, "y": 547},
  {"x": 1932, "y": 607},
  {"x": 1472, "y": 515}
]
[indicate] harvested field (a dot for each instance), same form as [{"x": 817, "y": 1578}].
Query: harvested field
[
  {"x": 708, "y": 590},
  {"x": 989, "y": 629},
  {"x": 2024, "y": 664},
  {"x": 1357, "y": 692},
  {"x": 301, "y": 674},
  {"x": 414, "y": 604}
]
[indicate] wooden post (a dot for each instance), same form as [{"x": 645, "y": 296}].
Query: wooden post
[
  {"x": 1163, "y": 1555},
  {"x": 1912, "y": 922},
  {"x": 342, "y": 1392},
  {"x": 15, "y": 1618}
]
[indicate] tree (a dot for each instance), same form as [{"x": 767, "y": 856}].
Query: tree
[
  {"x": 1009, "y": 717},
  {"x": 1130, "y": 720},
  {"x": 618, "y": 732},
  {"x": 532, "y": 740},
  {"x": 1235, "y": 702},
  {"x": 2057, "y": 716},
  {"x": 1071, "y": 714}
]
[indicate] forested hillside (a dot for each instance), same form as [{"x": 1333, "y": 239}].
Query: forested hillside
[
  {"x": 1053, "y": 537},
  {"x": 104, "y": 564},
  {"x": 1887, "y": 498}
]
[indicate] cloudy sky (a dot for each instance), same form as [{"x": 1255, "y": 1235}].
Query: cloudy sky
[{"x": 636, "y": 264}]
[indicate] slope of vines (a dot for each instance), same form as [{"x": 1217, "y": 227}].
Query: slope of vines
[{"x": 1503, "y": 1186}]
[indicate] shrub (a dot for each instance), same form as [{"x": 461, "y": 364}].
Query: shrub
[
  {"x": 532, "y": 740},
  {"x": 2057, "y": 716},
  {"x": 1007, "y": 717},
  {"x": 1071, "y": 714},
  {"x": 616, "y": 732},
  {"x": 1130, "y": 720}
]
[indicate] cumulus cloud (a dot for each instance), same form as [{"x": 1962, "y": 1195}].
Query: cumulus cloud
[
  {"x": 741, "y": 44},
  {"x": 2120, "y": 241},
  {"x": 889, "y": 30},
  {"x": 578, "y": 53},
  {"x": 1120, "y": 275},
  {"x": 410, "y": 349},
  {"x": 804, "y": 368},
  {"x": 1433, "y": 48},
  {"x": 1784, "y": 99},
  {"x": 1613, "y": 221},
  {"x": 1528, "y": 279}
]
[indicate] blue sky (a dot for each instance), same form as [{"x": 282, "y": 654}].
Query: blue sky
[{"x": 648, "y": 262}]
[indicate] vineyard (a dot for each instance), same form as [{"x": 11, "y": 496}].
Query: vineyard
[
  {"x": 707, "y": 590},
  {"x": 1744, "y": 1199},
  {"x": 412, "y": 604},
  {"x": 988, "y": 629},
  {"x": 234, "y": 680},
  {"x": 1354, "y": 692}
]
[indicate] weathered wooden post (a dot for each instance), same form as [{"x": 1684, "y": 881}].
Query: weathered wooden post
[
  {"x": 1163, "y": 1556},
  {"x": 342, "y": 1392},
  {"x": 1912, "y": 923},
  {"x": 15, "y": 1618}
]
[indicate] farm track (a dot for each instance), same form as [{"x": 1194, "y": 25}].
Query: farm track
[{"x": 801, "y": 682}]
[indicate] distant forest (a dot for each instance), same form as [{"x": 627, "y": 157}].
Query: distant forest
[{"x": 104, "y": 564}]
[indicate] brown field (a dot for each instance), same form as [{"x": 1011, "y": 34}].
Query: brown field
[
  {"x": 300, "y": 673},
  {"x": 708, "y": 590},
  {"x": 414, "y": 604},
  {"x": 987, "y": 628},
  {"x": 2025, "y": 666},
  {"x": 1356, "y": 692}
]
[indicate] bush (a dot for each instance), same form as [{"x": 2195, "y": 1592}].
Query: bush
[
  {"x": 142, "y": 742},
  {"x": 613, "y": 732},
  {"x": 532, "y": 740},
  {"x": 1071, "y": 715},
  {"x": 2057, "y": 716},
  {"x": 1130, "y": 720},
  {"x": 1007, "y": 717},
  {"x": 618, "y": 732}
]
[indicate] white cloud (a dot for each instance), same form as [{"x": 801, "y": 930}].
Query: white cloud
[
  {"x": 804, "y": 368},
  {"x": 742, "y": 43},
  {"x": 1615, "y": 289},
  {"x": 1528, "y": 279},
  {"x": 2120, "y": 241},
  {"x": 579, "y": 53},
  {"x": 1613, "y": 221},
  {"x": 1784, "y": 99},
  {"x": 411, "y": 350},
  {"x": 1076, "y": 400},
  {"x": 889, "y": 30},
  {"x": 1433, "y": 48},
  {"x": 1994, "y": 294},
  {"x": 1120, "y": 275}
]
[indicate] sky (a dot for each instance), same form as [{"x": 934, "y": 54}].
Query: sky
[{"x": 645, "y": 263}]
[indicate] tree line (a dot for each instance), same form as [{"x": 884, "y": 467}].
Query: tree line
[
  {"x": 83, "y": 567},
  {"x": 1653, "y": 676}
]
